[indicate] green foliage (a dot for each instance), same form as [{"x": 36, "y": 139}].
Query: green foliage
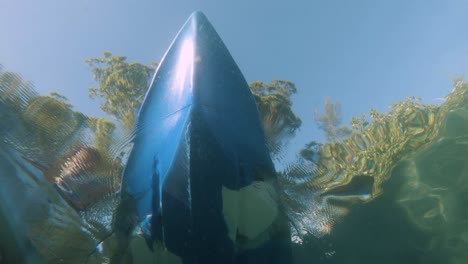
[
  {"x": 59, "y": 97},
  {"x": 15, "y": 92},
  {"x": 330, "y": 120},
  {"x": 103, "y": 129},
  {"x": 274, "y": 105},
  {"x": 46, "y": 121},
  {"x": 121, "y": 86},
  {"x": 359, "y": 123},
  {"x": 51, "y": 120}
]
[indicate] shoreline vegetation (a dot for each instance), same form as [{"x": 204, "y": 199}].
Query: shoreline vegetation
[
  {"x": 424, "y": 147},
  {"x": 81, "y": 158}
]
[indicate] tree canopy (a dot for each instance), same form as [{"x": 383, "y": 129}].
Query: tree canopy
[
  {"x": 329, "y": 122},
  {"x": 15, "y": 92},
  {"x": 121, "y": 86},
  {"x": 274, "y": 105}
]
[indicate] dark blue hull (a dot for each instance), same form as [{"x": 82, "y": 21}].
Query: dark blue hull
[{"x": 198, "y": 132}]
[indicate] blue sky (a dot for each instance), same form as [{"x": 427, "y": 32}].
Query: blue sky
[{"x": 364, "y": 53}]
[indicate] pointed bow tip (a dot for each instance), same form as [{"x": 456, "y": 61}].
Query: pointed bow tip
[{"x": 198, "y": 16}]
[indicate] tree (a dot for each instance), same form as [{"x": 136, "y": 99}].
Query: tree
[
  {"x": 330, "y": 120},
  {"x": 15, "y": 92},
  {"x": 121, "y": 85},
  {"x": 103, "y": 129},
  {"x": 274, "y": 105},
  {"x": 52, "y": 122}
]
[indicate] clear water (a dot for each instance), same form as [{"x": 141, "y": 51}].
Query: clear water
[{"x": 394, "y": 190}]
